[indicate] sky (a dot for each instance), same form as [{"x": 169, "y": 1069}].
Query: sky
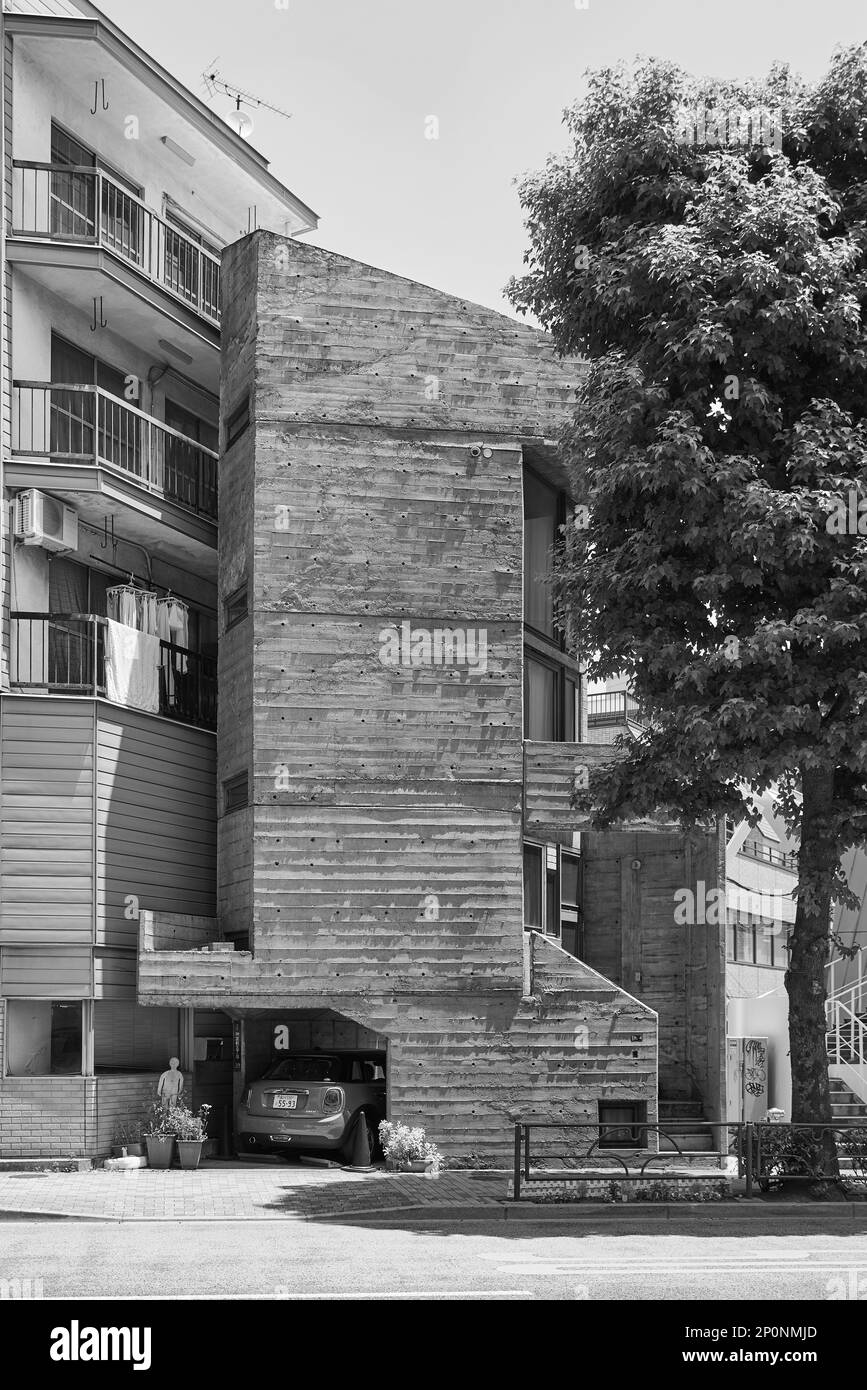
[{"x": 362, "y": 78}]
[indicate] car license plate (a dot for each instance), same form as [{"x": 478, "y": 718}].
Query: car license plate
[{"x": 285, "y": 1102}]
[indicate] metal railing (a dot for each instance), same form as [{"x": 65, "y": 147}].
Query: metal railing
[
  {"x": 77, "y": 203},
  {"x": 769, "y": 855},
  {"x": 80, "y": 423},
  {"x": 612, "y": 707},
  {"x": 64, "y": 653},
  {"x": 609, "y": 1141},
  {"x": 765, "y": 1152},
  {"x": 855, "y": 983}
]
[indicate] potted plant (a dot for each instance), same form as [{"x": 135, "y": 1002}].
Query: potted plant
[
  {"x": 407, "y": 1150},
  {"x": 159, "y": 1137},
  {"x": 128, "y": 1141},
  {"x": 190, "y": 1130}
]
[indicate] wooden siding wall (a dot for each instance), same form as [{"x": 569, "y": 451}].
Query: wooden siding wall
[
  {"x": 156, "y": 822},
  {"x": 47, "y": 845},
  {"x": 83, "y": 832}
]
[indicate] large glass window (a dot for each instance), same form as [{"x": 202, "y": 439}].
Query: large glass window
[
  {"x": 552, "y": 894},
  {"x": 550, "y": 690},
  {"x": 43, "y": 1037},
  {"x": 542, "y": 511},
  {"x": 129, "y": 1037}
]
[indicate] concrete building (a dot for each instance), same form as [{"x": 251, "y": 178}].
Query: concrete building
[{"x": 397, "y": 844}]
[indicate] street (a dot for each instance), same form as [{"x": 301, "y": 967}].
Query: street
[{"x": 703, "y": 1259}]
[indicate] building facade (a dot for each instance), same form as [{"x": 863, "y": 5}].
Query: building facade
[
  {"x": 289, "y": 735},
  {"x": 120, "y": 190}
]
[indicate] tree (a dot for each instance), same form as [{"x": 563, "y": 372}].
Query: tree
[{"x": 719, "y": 445}]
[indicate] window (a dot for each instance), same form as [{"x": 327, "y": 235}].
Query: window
[
  {"x": 73, "y": 198},
  {"x": 544, "y": 510},
  {"x": 190, "y": 476},
  {"x": 235, "y": 607},
  {"x": 550, "y": 699},
  {"x": 236, "y": 793},
  {"x": 238, "y": 422},
  {"x": 133, "y": 1038},
  {"x": 552, "y": 894},
  {"x": 621, "y": 1124},
  {"x": 84, "y": 424},
  {"x": 550, "y": 690},
  {"x": 43, "y": 1038},
  {"x": 757, "y": 941}
]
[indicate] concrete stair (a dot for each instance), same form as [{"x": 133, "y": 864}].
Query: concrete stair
[
  {"x": 681, "y": 1119},
  {"x": 845, "y": 1105}
]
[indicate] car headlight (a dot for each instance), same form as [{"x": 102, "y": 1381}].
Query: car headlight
[{"x": 333, "y": 1099}]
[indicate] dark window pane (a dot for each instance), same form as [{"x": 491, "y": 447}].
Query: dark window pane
[
  {"x": 540, "y": 701},
  {"x": 744, "y": 942},
  {"x": 540, "y": 529},
  {"x": 552, "y": 906},
  {"x": 532, "y": 887},
  {"x": 569, "y": 868}
]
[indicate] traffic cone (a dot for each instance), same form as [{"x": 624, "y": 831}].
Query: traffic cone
[{"x": 361, "y": 1147}]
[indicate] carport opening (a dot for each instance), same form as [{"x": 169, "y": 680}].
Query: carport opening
[{"x": 307, "y": 1083}]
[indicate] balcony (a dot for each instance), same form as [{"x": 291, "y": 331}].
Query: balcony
[
  {"x": 84, "y": 424},
  {"x": 612, "y": 708},
  {"x": 64, "y": 654},
  {"x": 81, "y": 205}
]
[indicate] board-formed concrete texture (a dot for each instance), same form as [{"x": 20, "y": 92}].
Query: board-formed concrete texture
[{"x": 373, "y": 696}]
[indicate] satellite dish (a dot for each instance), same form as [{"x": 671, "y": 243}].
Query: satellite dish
[{"x": 240, "y": 122}]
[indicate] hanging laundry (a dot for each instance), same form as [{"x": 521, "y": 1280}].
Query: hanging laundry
[
  {"x": 148, "y": 611},
  {"x": 132, "y": 660},
  {"x": 122, "y": 604}
]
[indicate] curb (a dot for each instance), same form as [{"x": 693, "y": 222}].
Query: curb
[{"x": 548, "y": 1212}]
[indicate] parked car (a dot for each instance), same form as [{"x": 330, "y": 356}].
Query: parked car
[{"x": 313, "y": 1102}]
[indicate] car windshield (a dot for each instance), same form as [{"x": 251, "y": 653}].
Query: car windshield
[{"x": 308, "y": 1069}]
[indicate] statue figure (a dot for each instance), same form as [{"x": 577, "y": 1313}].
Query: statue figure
[{"x": 171, "y": 1084}]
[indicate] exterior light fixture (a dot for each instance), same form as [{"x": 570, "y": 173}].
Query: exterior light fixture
[
  {"x": 177, "y": 149},
  {"x": 175, "y": 351}
]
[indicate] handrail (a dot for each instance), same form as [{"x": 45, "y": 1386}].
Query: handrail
[
  {"x": 51, "y": 420},
  {"x": 50, "y": 655},
  {"x": 91, "y": 389},
  {"x": 859, "y": 984},
  {"x": 119, "y": 221}
]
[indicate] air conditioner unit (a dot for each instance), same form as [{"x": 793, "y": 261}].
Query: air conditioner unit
[{"x": 43, "y": 520}]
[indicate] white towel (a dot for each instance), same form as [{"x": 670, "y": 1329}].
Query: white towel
[{"x": 132, "y": 661}]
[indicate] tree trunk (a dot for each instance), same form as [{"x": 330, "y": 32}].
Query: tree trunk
[{"x": 805, "y": 977}]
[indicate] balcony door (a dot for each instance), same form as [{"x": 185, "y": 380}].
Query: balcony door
[
  {"x": 74, "y": 199},
  {"x": 100, "y": 428},
  {"x": 190, "y": 475}
]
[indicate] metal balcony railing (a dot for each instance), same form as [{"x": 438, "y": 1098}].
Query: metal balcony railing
[
  {"x": 64, "y": 653},
  {"x": 612, "y": 707},
  {"x": 75, "y": 423},
  {"x": 769, "y": 855},
  {"x": 77, "y": 203}
]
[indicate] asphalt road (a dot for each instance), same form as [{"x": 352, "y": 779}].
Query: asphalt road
[{"x": 704, "y": 1259}]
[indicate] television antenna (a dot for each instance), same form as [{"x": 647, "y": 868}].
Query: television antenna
[{"x": 239, "y": 120}]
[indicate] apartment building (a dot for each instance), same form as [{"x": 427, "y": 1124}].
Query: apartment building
[{"x": 120, "y": 191}]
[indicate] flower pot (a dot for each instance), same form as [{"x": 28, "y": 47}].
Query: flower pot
[
  {"x": 190, "y": 1151},
  {"x": 135, "y": 1150},
  {"x": 119, "y": 1151},
  {"x": 407, "y": 1165},
  {"x": 160, "y": 1150}
]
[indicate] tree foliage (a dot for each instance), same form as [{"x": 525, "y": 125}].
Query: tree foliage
[{"x": 719, "y": 446}]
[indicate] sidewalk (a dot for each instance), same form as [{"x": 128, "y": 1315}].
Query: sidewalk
[
  {"x": 242, "y": 1191},
  {"x": 234, "y": 1191}
]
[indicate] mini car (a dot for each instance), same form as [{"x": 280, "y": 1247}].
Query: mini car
[{"x": 313, "y": 1102}]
